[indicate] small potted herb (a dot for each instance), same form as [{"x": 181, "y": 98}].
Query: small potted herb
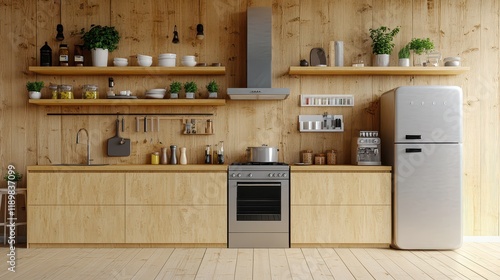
[
  {"x": 100, "y": 40},
  {"x": 212, "y": 88},
  {"x": 190, "y": 88},
  {"x": 34, "y": 89},
  {"x": 175, "y": 88},
  {"x": 15, "y": 177},
  {"x": 404, "y": 56},
  {"x": 382, "y": 44},
  {"x": 419, "y": 46}
]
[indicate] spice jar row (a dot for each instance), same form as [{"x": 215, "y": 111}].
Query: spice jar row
[
  {"x": 328, "y": 157},
  {"x": 66, "y": 91}
]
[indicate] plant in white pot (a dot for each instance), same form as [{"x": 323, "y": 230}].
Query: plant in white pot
[
  {"x": 100, "y": 40},
  {"x": 420, "y": 46},
  {"x": 404, "y": 56},
  {"x": 212, "y": 88},
  {"x": 34, "y": 89},
  {"x": 190, "y": 88},
  {"x": 382, "y": 44},
  {"x": 175, "y": 88}
]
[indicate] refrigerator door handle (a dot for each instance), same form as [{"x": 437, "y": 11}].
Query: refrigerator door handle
[
  {"x": 413, "y": 137},
  {"x": 413, "y": 150}
]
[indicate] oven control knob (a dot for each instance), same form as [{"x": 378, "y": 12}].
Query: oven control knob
[
  {"x": 271, "y": 175},
  {"x": 250, "y": 175},
  {"x": 239, "y": 174},
  {"x": 284, "y": 174}
]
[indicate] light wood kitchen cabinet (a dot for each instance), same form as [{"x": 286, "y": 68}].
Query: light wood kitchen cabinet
[
  {"x": 340, "y": 208},
  {"x": 76, "y": 208},
  {"x": 177, "y": 208}
]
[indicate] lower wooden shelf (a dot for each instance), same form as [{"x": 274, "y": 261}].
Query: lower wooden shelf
[
  {"x": 128, "y": 102},
  {"x": 377, "y": 71}
]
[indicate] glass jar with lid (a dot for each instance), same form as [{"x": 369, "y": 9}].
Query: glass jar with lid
[
  {"x": 65, "y": 91},
  {"x": 90, "y": 92},
  {"x": 54, "y": 92}
]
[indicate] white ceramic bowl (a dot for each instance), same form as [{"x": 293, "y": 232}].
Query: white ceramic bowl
[
  {"x": 120, "y": 63},
  {"x": 167, "y": 55},
  {"x": 144, "y": 56},
  {"x": 188, "y": 63},
  {"x": 156, "y": 90},
  {"x": 166, "y": 62},
  {"x": 188, "y": 57},
  {"x": 155, "y": 95},
  {"x": 145, "y": 62},
  {"x": 120, "y": 59}
]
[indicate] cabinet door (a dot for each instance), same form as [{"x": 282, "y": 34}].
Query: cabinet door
[
  {"x": 71, "y": 188},
  {"x": 177, "y": 224},
  {"x": 340, "y": 224},
  {"x": 340, "y": 188},
  {"x": 76, "y": 224},
  {"x": 176, "y": 189}
]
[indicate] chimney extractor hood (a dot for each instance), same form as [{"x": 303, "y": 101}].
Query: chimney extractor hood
[{"x": 259, "y": 59}]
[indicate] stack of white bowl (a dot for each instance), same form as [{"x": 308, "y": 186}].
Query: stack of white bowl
[
  {"x": 157, "y": 93},
  {"x": 188, "y": 60},
  {"x": 119, "y": 61},
  {"x": 167, "y": 59},
  {"x": 144, "y": 60}
]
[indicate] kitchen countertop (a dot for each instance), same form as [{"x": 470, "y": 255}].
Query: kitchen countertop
[
  {"x": 132, "y": 167},
  {"x": 340, "y": 168}
]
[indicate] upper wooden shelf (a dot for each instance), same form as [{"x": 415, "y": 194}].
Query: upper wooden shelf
[
  {"x": 128, "y": 102},
  {"x": 378, "y": 71},
  {"x": 127, "y": 70}
]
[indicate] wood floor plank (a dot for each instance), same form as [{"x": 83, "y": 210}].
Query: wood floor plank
[
  {"x": 113, "y": 269},
  {"x": 298, "y": 264},
  {"x": 317, "y": 265},
  {"x": 471, "y": 265},
  {"x": 244, "y": 264},
  {"x": 226, "y": 265},
  {"x": 388, "y": 264},
  {"x": 452, "y": 264},
  {"x": 154, "y": 264},
  {"x": 209, "y": 263},
  {"x": 335, "y": 264},
  {"x": 481, "y": 258},
  {"x": 182, "y": 262},
  {"x": 411, "y": 269},
  {"x": 421, "y": 264},
  {"x": 261, "y": 264},
  {"x": 279, "y": 264},
  {"x": 441, "y": 267},
  {"x": 376, "y": 270},
  {"x": 353, "y": 264},
  {"x": 136, "y": 263}
]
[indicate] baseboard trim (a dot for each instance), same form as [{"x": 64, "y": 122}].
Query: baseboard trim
[{"x": 482, "y": 239}]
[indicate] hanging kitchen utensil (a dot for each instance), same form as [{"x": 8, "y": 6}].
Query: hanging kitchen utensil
[
  {"x": 117, "y": 145},
  {"x": 175, "y": 40}
]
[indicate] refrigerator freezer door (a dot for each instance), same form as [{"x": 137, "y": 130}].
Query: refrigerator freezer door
[
  {"x": 429, "y": 114},
  {"x": 427, "y": 196}
]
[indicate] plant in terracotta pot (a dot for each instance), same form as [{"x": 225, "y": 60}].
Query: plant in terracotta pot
[
  {"x": 382, "y": 43},
  {"x": 34, "y": 89},
  {"x": 404, "y": 56},
  {"x": 175, "y": 88},
  {"x": 100, "y": 40},
  {"x": 212, "y": 88},
  {"x": 420, "y": 46},
  {"x": 190, "y": 88}
]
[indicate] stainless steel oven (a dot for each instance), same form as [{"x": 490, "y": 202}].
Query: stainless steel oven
[{"x": 259, "y": 205}]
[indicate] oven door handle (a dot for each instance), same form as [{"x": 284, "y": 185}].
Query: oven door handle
[{"x": 258, "y": 185}]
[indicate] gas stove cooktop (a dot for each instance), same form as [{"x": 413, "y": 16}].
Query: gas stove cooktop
[{"x": 259, "y": 163}]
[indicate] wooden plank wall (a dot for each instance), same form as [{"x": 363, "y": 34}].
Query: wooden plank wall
[{"x": 466, "y": 28}]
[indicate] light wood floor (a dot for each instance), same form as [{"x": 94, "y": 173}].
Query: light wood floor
[{"x": 472, "y": 261}]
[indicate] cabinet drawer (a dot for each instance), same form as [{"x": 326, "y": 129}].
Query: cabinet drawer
[
  {"x": 176, "y": 224},
  {"x": 340, "y": 224},
  {"x": 176, "y": 189},
  {"x": 76, "y": 188},
  {"x": 76, "y": 224},
  {"x": 340, "y": 189}
]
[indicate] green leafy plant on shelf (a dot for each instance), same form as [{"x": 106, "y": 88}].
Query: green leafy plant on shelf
[
  {"x": 175, "y": 87},
  {"x": 212, "y": 86},
  {"x": 404, "y": 52},
  {"x": 13, "y": 177},
  {"x": 105, "y": 37},
  {"x": 382, "y": 38},
  {"x": 421, "y": 45},
  {"x": 190, "y": 87},
  {"x": 34, "y": 86}
]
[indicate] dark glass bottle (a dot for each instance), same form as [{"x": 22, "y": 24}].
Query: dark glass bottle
[{"x": 45, "y": 55}]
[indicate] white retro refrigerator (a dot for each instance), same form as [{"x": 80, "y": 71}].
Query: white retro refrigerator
[{"x": 421, "y": 134}]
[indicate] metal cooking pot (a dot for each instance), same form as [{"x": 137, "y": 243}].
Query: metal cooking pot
[{"x": 262, "y": 154}]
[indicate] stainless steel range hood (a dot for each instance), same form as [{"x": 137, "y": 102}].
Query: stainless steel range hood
[{"x": 259, "y": 59}]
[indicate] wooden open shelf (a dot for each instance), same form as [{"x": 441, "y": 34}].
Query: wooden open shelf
[
  {"x": 127, "y": 70},
  {"x": 377, "y": 71},
  {"x": 128, "y": 102}
]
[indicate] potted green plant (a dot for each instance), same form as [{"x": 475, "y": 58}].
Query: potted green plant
[
  {"x": 419, "y": 46},
  {"x": 212, "y": 88},
  {"x": 175, "y": 88},
  {"x": 382, "y": 44},
  {"x": 404, "y": 56},
  {"x": 34, "y": 89},
  {"x": 190, "y": 88},
  {"x": 100, "y": 40},
  {"x": 15, "y": 177}
]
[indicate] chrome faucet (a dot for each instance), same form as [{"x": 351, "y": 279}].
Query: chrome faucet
[{"x": 88, "y": 143}]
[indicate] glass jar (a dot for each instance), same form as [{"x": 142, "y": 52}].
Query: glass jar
[
  {"x": 78, "y": 58},
  {"x": 54, "y": 92},
  {"x": 155, "y": 158},
  {"x": 307, "y": 157},
  {"x": 319, "y": 159},
  {"x": 90, "y": 92},
  {"x": 65, "y": 91},
  {"x": 331, "y": 157},
  {"x": 63, "y": 55}
]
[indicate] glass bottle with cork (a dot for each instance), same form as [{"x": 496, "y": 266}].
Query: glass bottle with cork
[{"x": 63, "y": 55}]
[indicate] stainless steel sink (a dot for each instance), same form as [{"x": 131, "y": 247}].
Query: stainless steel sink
[{"x": 80, "y": 164}]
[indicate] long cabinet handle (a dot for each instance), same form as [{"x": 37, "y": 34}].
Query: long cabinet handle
[{"x": 413, "y": 150}]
